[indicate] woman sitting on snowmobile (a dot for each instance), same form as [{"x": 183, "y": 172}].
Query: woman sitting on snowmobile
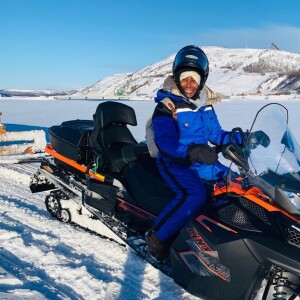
[{"x": 183, "y": 122}]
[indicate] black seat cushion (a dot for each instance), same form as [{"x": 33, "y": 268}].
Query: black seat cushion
[{"x": 145, "y": 184}]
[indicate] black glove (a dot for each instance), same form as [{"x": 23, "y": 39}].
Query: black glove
[
  {"x": 259, "y": 138},
  {"x": 201, "y": 153}
]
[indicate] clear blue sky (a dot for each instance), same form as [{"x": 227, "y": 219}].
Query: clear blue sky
[{"x": 66, "y": 44}]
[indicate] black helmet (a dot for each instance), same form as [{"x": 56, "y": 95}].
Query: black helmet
[{"x": 191, "y": 58}]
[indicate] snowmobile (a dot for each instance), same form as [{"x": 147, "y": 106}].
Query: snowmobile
[{"x": 246, "y": 242}]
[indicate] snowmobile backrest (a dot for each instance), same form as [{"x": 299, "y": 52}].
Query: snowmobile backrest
[
  {"x": 110, "y": 112},
  {"x": 110, "y": 134}
]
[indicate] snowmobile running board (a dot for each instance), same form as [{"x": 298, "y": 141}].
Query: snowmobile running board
[{"x": 135, "y": 242}]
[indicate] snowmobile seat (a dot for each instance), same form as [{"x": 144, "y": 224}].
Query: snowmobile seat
[
  {"x": 148, "y": 188},
  {"x": 146, "y": 185},
  {"x": 111, "y": 140}
]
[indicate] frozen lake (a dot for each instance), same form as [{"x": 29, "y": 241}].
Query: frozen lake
[{"x": 45, "y": 113}]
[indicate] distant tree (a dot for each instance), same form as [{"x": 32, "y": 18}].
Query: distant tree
[{"x": 120, "y": 92}]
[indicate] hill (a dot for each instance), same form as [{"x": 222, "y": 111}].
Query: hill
[{"x": 232, "y": 72}]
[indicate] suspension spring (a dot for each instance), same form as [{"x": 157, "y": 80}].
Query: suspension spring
[{"x": 280, "y": 288}]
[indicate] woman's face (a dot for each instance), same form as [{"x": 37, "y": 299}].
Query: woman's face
[{"x": 190, "y": 86}]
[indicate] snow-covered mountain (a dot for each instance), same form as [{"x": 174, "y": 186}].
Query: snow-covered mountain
[
  {"x": 232, "y": 72},
  {"x": 34, "y": 93}
]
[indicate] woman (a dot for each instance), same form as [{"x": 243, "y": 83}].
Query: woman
[{"x": 184, "y": 122}]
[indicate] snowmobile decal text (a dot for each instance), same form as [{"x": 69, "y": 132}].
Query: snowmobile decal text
[
  {"x": 203, "y": 261},
  {"x": 194, "y": 234}
]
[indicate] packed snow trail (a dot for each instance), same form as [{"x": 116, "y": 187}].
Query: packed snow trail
[{"x": 42, "y": 258}]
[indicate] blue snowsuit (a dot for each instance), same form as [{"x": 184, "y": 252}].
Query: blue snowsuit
[{"x": 174, "y": 132}]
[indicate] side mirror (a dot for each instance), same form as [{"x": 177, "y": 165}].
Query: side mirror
[{"x": 235, "y": 154}]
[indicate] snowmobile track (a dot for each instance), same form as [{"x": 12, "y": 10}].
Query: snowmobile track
[{"x": 23, "y": 168}]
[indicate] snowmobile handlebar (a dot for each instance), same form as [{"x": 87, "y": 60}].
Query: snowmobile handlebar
[
  {"x": 234, "y": 153},
  {"x": 242, "y": 135}
]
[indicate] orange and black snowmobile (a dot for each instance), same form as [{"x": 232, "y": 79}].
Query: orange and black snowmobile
[{"x": 246, "y": 242}]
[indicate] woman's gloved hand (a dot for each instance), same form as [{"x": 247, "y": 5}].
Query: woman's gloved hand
[
  {"x": 259, "y": 138},
  {"x": 201, "y": 153}
]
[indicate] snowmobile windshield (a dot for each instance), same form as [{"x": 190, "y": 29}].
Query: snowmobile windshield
[{"x": 278, "y": 163}]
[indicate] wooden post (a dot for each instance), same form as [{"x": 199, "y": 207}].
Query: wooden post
[
  {"x": 2, "y": 127},
  {"x": 34, "y": 141}
]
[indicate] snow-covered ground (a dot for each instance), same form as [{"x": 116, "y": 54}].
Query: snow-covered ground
[{"x": 42, "y": 258}]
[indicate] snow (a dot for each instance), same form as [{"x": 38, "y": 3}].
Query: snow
[
  {"x": 36, "y": 137},
  {"x": 42, "y": 258}
]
